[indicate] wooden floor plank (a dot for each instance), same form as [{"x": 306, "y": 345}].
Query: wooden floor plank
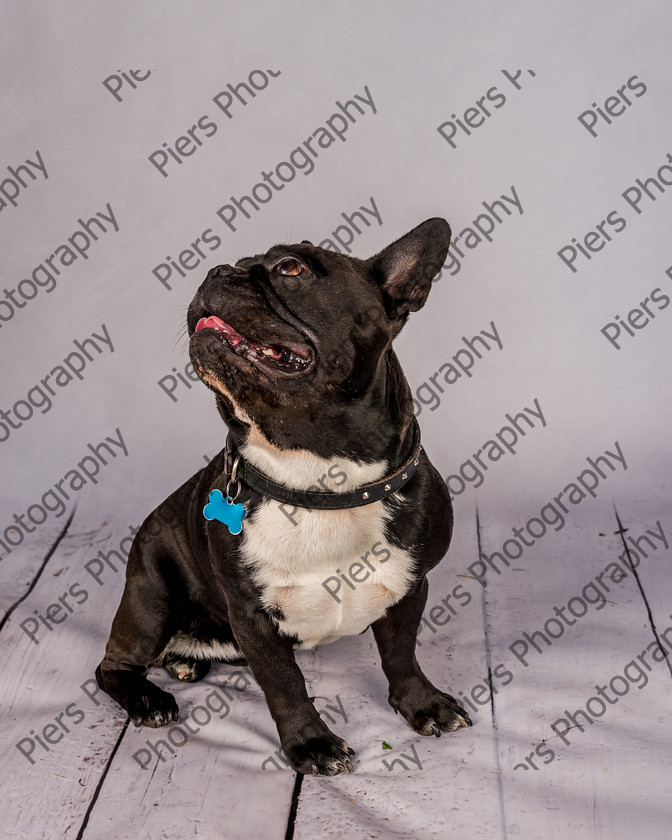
[
  {"x": 229, "y": 779},
  {"x": 207, "y": 782},
  {"x": 49, "y": 788},
  {"x": 647, "y": 526},
  {"x": 19, "y": 569},
  {"x": 606, "y": 776},
  {"x": 54, "y": 774}
]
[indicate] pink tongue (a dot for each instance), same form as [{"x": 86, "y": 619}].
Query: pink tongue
[
  {"x": 233, "y": 337},
  {"x": 214, "y": 323}
]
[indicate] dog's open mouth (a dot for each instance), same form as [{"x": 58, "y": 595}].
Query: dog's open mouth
[{"x": 286, "y": 358}]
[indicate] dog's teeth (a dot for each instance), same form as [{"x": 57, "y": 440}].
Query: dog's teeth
[{"x": 268, "y": 352}]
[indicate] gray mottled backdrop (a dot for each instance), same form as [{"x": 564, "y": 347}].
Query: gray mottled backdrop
[{"x": 155, "y": 122}]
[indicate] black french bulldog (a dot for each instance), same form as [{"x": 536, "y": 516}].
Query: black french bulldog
[{"x": 344, "y": 515}]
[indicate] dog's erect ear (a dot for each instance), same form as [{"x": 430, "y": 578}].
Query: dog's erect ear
[{"x": 405, "y": 269}]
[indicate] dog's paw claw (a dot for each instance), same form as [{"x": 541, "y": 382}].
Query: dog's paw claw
[
  {"x": 154, "y": 708},
  {"x": 322, "y": 754},
  {"x": 431, "y": 712},
  {"x": 341, "y": 766}
]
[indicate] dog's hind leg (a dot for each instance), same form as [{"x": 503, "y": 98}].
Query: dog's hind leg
[
  {"x": 191, "y": 651},
  {"x": 185, "y": 668}
]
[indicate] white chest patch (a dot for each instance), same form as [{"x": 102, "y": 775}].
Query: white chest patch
[{"x": 328, "y": 573}]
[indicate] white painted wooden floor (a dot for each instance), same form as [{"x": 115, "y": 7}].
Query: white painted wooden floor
[{"x": 511, "y": 775}]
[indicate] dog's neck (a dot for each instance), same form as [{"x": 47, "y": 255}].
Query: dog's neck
[
  {"x": 301, "y": 469},
  {"x": 291, "y": 455}
]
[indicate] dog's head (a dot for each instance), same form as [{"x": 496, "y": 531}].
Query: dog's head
[{"x": 301, "y": 333}]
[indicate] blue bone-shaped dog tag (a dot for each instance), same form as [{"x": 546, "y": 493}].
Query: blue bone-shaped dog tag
[{"x": 225, "y": 510}]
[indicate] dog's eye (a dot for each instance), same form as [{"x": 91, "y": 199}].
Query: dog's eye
[{"x": 289, "y": 267}]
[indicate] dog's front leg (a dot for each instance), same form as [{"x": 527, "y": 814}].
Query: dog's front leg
[
  {"x": 306, "y": 740},
  {"x": 428, "y": 710},
  {"x": 140, "y": 631}
]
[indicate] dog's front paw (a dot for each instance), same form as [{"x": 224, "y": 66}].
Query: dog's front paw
[
  {"x": 152, "y": 707},
  {"x": 321, "y": 754},
  {"x": 430, "y": 711}
]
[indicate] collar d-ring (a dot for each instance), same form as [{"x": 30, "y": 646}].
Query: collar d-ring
[{"x": 233, "y": 480}]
